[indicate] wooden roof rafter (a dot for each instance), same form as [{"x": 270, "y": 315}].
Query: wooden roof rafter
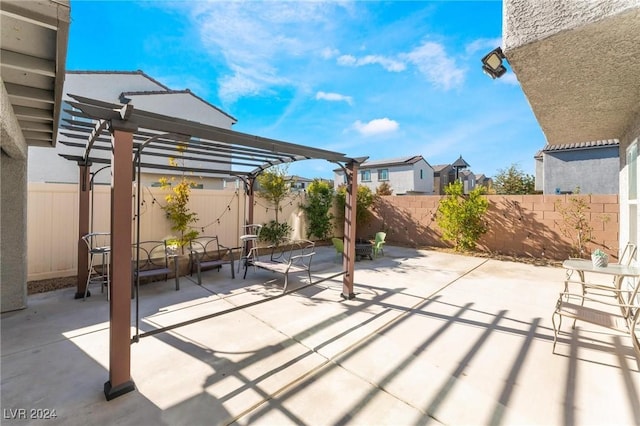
[{"x": 198, "y": 143}]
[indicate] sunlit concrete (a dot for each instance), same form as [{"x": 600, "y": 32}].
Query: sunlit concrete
[{"x": 430, "y": 338}]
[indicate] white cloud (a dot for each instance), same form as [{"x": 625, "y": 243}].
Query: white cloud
[
  {"x": 334, "y": 97},
  {"x": 484, "y": 45},
  {"x": 328, "y": 53},
  {"x": 347, "y": 60},
  {"x": 432, "y": 61},
  {"x": 388, "y": 64},
  {"x": 509, "y": 78},
  {"x": 376, "y": 127},
  {"x": 257, "y": 39}
]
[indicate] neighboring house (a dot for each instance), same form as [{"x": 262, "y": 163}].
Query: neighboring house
[
  {"x": 460, "y": 173},
  {"x": 589, "y": 167},
  {"x": 468, "y": 179},
  {"x": 482, "y": 180},
  {"x": 144, "y": 93},
  {"x": 539, "y": 177},
  {"x": 406, "y": 176},
  {"x": 558, "y": 56},
  {"x": 443, "y": 175},
  {"x": 299, "y": 183}
]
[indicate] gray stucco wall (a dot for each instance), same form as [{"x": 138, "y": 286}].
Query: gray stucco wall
[
  {"x": 13, "y": 230},
  {"x": 628, "y": 228},
  {"x": 539, "y": 177},
  {"x": 594, "y": 171},
  {"x": 526, "y": 21}
]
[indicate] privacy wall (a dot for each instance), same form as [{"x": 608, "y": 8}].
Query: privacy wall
[
  {"x": 52, "y": 228},
  {"x": 528, "y": 225},
  {"x": 519, "y": 225}
]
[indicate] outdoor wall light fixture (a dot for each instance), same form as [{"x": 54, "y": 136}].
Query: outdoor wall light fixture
[{"x": 492, "y": 63}]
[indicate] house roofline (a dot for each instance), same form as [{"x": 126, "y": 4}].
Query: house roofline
[
  {"x": 606, "y": 143},
  {"x": 137, "y": 72},
  {"x": 123, "y": 97}
]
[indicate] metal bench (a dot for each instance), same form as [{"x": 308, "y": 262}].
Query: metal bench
[
  {"x": 207, "y": 252},
  {"x": 289, "y": 257},
  {"x": 151, "y": 259}
]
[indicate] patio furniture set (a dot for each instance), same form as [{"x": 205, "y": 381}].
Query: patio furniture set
[
  {"x": 152, "y": 259},
  {"x": 614, "y": 305}
]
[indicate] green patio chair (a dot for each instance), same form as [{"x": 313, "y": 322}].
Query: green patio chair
[
  {"x": 378, "y": 243},
  {"x": 339, "y": 246}
]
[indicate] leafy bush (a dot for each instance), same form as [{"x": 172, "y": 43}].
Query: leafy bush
[
  {"x": 364, "y": 200},
  {"x": 317, "y": 209},
  {"x": 384, "y": 189},
  {"x": 274, "y": 232},
  {"x": 514, "y": 181},
  {"x": 461, "y": 217}
]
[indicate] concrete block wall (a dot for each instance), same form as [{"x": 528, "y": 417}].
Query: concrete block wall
[{"x": 518, "y": 225}]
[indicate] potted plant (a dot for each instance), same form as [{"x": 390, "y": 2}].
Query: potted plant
[{"x": 599, "y": 258}]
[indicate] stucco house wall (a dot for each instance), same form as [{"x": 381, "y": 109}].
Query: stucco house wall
[
  {"x": 143, "y": 92},
  {"x": 539, "y": 172},
  {"x": 403, "y": 177},
  {"x": 593, "y": 171}
]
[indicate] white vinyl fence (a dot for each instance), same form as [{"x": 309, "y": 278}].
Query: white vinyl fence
[{"x": 52, "y": 227}]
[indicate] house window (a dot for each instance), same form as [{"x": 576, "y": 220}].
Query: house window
[
  {"x": 365, "y": 175},
  {"x": 383, "y": 174},
  {"x": 421, "y": 174}
]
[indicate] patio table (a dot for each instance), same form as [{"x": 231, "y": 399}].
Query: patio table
[{"x": 618, "y": 272}]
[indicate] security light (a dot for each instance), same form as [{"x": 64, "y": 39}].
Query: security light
[{"x": 492, "y": 63}]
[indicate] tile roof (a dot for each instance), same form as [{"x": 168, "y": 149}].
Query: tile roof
[
  {"x": 582, "y": 145},
  {"x": 392, "y": 161},
  {"x": 440, "y": 167},
  {"x": 460, "y": 163}
]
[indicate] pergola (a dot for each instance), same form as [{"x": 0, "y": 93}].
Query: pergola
[{"x": 129, "y": 139}]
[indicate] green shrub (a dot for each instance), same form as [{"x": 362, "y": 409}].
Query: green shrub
[
  {"x": 461, "y": 217},
  {"x": 364, "y": 200},
  {"x": 274, "y": 232},
  {"x": 317, "y": 209}
]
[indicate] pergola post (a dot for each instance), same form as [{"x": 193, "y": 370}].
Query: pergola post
[
  {"x": 83, "y": 228},
  {"x": 348, "y": 259},
  {"x": 120, "y": 381},
  {"x": 250, "y": 198}
]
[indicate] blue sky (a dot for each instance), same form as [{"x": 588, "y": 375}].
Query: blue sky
[{"x": 365, "y": 78}]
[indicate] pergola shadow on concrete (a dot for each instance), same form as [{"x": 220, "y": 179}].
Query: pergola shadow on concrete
[{"x": 131, "y": 140}]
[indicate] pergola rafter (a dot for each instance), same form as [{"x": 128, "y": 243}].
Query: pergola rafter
[{"x": 135, "y": 138}]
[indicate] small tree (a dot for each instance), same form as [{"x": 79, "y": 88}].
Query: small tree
[
  {"x": 461, "y": 217},
  {"x": 178, "y": 212},
  {"x": 513, "y": 181},
  {"x": 576, "y": 223},
  {"x": 274, "y": 188},
  {"x": 364, "y": 200},
  {"x": 384, "y": 189},
  {"x": 317, "y": 209}
]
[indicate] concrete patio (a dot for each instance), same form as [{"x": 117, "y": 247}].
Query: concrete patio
[{"x": 431, "y": 338}]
